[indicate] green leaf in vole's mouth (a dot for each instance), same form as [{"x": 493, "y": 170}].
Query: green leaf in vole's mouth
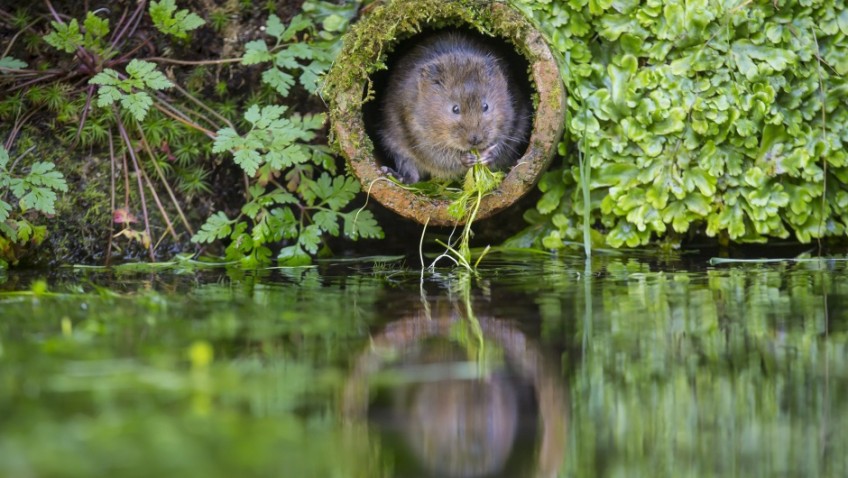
[{"x": 479, "y": 181}]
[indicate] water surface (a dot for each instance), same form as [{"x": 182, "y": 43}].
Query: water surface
[{"x": 535, "y": 366}]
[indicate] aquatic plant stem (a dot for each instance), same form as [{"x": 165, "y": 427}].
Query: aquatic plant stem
[
  {"x": 585, "y": 175},
  {"x": 421, "y": 243},
  {"x": 823, "y": 95}
]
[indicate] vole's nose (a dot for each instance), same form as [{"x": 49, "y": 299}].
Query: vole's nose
[{"x": 475, "y": 140}]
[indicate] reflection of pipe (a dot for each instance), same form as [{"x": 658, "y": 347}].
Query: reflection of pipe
[{"x": 523, "y": 354}]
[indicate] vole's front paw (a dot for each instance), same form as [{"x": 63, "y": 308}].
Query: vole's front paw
[
  {"x": 468, "y": 159},
  {"x": 409, "y": 178},
  {"x": 488, "y": 155}
]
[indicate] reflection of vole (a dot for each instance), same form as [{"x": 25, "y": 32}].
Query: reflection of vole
[
  {"x": 448, "y": 98},
  {"x": 463, "y": 428}
]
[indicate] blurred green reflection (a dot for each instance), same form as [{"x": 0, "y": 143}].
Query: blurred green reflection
[{"x": 662, "y": 369}]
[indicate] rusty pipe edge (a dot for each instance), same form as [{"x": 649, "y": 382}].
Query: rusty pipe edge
[{"x": 355, "y": 145}]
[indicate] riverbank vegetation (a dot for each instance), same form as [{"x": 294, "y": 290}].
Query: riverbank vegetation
[{"x": 147, "y": 129}]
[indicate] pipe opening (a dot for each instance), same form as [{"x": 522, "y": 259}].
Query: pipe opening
[{"x": 518, "y": 70}]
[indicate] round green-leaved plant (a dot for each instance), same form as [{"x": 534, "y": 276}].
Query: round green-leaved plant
[{"x": 721, "y": 117}]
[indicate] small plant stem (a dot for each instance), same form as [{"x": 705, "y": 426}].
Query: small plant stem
[
  {"x": 138, "y": 175},
  {"x": 221, "y": 61},
  {"x": 26, "y": 85},
  {"x": 367, "y": 197},
  {"x": 823, "y": 94},
  {"x": 170, "y": 226},
  {"x": 205, "y": 107},
  {"x": 421, "y": 243},
  {"x": 20, "y": 156},
  {"x": 85, "y": 111},
  {"x": 167, "y": 109},
  {"x": 128, "y": 28},
  {"x": 482, "y": 255},
  {"x": 585, "y": 173},
  {"x": 118, "y": 24},
  {"x": 159, "y": 241},
  {"x": 127, "y": 56},
  {"x": 19, "y": 123},
  {"x": 112, "y": 160},
  {"x": 126, "y": 182},
  {"x": 14, "y": 38},
  {"x": 459, "y": 259},
  {"x": 465, "y": 238},
  {"x": 444, "y": 255},
  {"x": 185, "y": 115},
  {"x": 164, "y": 180}
]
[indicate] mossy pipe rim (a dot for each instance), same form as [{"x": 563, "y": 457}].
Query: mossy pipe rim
[{"x": 364, "y": 53}]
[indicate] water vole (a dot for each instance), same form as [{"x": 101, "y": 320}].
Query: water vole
[{"x": 447, "y": 98}]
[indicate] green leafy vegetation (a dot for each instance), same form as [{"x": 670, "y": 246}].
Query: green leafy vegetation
[
  {"x": 156, "y": 130},
  {"x": 479, "y": 181},
  {"x": 35, "y": 192},
  {"x": 307, "y": 61},
  {"x": 130, "y": 91},
  {"x": 168, "y": 20},
  {"x": 723, "y": 119},
  {"x": 310, "y": 203},
  {"x": 89, "y": 87}
]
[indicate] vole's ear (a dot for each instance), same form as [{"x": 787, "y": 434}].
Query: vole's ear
[{"x": 432, "y": 74}]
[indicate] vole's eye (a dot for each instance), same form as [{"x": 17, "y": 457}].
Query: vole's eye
[
  {"x": 485, "y": 107},
  {"x": 455, "y": 109}
]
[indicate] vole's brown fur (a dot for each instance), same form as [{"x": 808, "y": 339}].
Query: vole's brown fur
[{"x": 450, "y": 95}]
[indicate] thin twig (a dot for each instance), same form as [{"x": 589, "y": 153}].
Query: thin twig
[
  {"x": 204, "y": 106},
  {"x": 112, "y": 199},
  {"x": 118, "y": 24},
  {"x": 85, "y": 110},
  {"x": 126, "y": 182},
  {"x": 164, "y": 107},
  {"x": 170, "y": 226},
  {"x": 14, "y": 38},
  {"x": 138, "y": 176},
  {"x": 166, "y": 102},
  {"x": 162, "y": 178},
  {"x": 221, "y": 61},
  {"x": 129, "y": 26}
]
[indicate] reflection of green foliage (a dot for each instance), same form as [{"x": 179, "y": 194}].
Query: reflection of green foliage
[
  {"x": 720, "y": 118},
  {"x": 683, "y": 374},
  {"x": 735, "y": 370},
  {"x": 134, "y": 382}
]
